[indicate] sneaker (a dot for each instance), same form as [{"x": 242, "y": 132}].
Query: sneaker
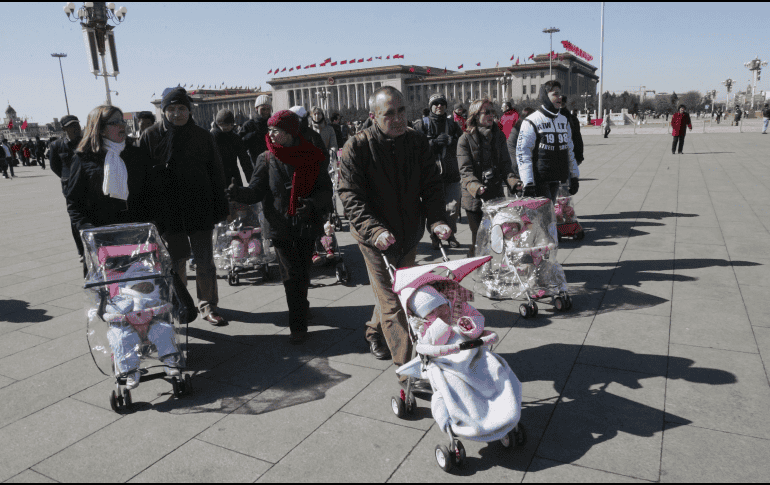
[
  {"x": 298, "y": 337},
  {"x": 132, "y": 381},
  {"x": 330, "y": 254},
  {"x": 215, "y": 319},
  {"x": 453, "y": 243},
  {"x": 316, "y": 258}
]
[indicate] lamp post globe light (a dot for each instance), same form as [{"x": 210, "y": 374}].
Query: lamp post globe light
[
  {"x": 62, "y": 80},
  {"x": 755, "y": 66},
  {"x": 503, "y": 81},
  {"x": 550, "y": 31},
  {"x": 728, "y": 84},
  {"x": 94, "y": 17}
]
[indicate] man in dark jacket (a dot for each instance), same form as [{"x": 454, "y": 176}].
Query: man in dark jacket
[
  {"x": 40, "y": 151},
  {"x": 254, "y": 131},
  {"x": 574, "y": 123},
  {"x": 60, "y": 155},
  {"x": 310, "y": 134},
  {"x": 765, "y": 118},
  {"x": 443, "y": 133},
  {"x": 338, "y": 132},
  {"x": 5, "y": 159},
  {"x": 231, "y": 149},
  {"x": 186, "y": 174},
  {"x": 390, "y": 186}
]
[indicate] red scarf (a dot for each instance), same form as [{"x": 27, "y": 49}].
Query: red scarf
[{"x": 306, "y": 159}]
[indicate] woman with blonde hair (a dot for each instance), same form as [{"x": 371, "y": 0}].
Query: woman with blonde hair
[{"x": 485, "y": 163}]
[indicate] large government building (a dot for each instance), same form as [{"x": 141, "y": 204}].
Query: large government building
[{"x": 348, "y": 91}]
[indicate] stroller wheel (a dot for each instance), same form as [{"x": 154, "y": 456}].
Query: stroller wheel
[
  {"x": 443, "y": 458},
  {"x": 519, "y": 435},
  {"x": 559, "y": 304},
  {"x": 337, "y": 223},
  {"x": 506, "y": 441},
  {"x": 524, "y": 310},
  {"x": 411, "y": 404},
  {"x": 459, "y": 453},
  {"x": 176, "y": 387},
  {"x": 127, "y": 398},
  {"x": 568, "y": 300},
  {"x": 114, "y": 402},
  {"x": 398, "y": 406},
  {"x": 533, "y": 309},
  {"x": 188, "y": 388},
  {"x": 580, "y": 235}
]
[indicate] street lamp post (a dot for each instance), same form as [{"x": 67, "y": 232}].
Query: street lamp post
[
  {"x": 755, "y": 66},
  {"x": 504, "y": 80},
  {"x": 62, "y": 80},
  {"x": 98, "y": 34},
  {"x": 728, "y": 83},
  {"x": 550, "y": 31},
  {"x": 601, "y": 65},
  {"x": 323, "y": 95}
]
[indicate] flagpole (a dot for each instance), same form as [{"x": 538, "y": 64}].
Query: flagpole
[{"x": 601, "y": 66}]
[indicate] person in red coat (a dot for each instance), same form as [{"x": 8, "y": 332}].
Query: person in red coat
[
  {"x": 678, "y": 129},
  {"x": 509, "y": 119}
]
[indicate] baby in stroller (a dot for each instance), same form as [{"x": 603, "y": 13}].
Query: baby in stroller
[
  {"x": 324, "y": 245},
  {"x": 476, "y": 395}
]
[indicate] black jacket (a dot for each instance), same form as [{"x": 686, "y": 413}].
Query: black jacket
[
  {"x": 60, "y": 154},
  {"x": 271, "y": 184},
  {"x": 474, "y": 162},
  {"x": 253, "y": 135},
  {"x": 86, "y": 202},
  {"x": 232, "y": 151},
  {"x": 577, "y": 138},
  {"x": 450, "y": 172},
  {"x": 191, "y": 189},
  {"x": 766, "y": 113}
]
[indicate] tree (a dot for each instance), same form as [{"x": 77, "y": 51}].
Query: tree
[{"x": 693, "y": 100}]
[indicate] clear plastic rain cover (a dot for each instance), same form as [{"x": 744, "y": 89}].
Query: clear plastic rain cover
[
  {"x": 239, "y": 243},
  {"x": 131, "y": 307},
  {"x": 520, "y": 235},
  {"x": 567, "y": 223}
]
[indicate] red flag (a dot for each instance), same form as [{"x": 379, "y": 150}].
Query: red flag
[
  {"x": 517, "y": 61},
  {"x": 270, "y": 71},
  {"x": 478, "y": 63},
  {"x": 312, "y": 65},
  {"x": 305, "y": 67},
  {"x": 378, "y": 57},
  {"x": 387, "y": 58},
  {"x": 329, "y": 59},
  {"x": 361, "y": 60},
  {"x": 282, "y": 70},
  {"x": 291, "y": 69},
  {"x": 532, "y": 56},
  {"x": 343, "y": 62},
  {"x": 460, "y": 66},
  {"x": 428, "y": 71},
  {"x": 369, "y": 60},
  {"x": 411, "y": 69},
  {"x": 10, "y": 125},
  {"x": 24, "y": 125},
  {"x": 444, "y": 69},
  {"x": 513, "y": 56},
  {"x": 334, "y": 63},
  {"x": 352, "y": 61},
  {"x": 298, "y": 67}
]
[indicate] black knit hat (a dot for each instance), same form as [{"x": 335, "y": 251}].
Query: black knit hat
[
  {"x": 459, "y": 106},
  {"x": 225, "y": 116},
  {"x": 175, "y": 95},
  {"x": 66, "y": 120},
  {"x": 436, "y": 99}
]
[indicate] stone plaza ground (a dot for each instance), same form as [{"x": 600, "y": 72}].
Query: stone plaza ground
[{"x": 659, "y": 372}]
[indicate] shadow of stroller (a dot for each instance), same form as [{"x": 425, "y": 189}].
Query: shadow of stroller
[{"x": 18, "y": 311}]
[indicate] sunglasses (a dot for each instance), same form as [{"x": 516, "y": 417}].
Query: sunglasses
[
  {"x": 116, "y": 123},
  {"x": 488, "y": 112}
]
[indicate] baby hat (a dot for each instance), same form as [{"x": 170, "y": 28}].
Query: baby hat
[{"x": 425, "y": 300}]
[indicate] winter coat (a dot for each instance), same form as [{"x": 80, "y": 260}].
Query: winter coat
[
  {"x": 191, "y": 186},
  {"x": 577, "y": 138},
  {"x": 511, "y": 141},
  {"x": 390, "y": 184},
  {"x": 678, "y": 122},
  {"x": 86, "y": 202},
  {"x": 766, "y": 113},
  {"x": 269, "y": 184},
  {"x": 327, "y": 135},
  {"x": 508, "y": 121},
  {"x": 232, "y": 152},
  {"x": 253, "y": 134},
  {"x": 478, "y": 154},
  {"x": 60, "y": 154},
  {"x": 446, "y": 156}
]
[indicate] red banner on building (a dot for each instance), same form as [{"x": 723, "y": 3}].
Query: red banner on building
[{"x": 576, "y": 50}]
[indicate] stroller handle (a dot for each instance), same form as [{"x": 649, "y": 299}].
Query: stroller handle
[{"x": 392, "y": 269}]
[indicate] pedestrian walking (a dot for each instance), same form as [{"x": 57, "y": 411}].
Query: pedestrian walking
[
  {"x": 319, "y": 124},
  {"x": 295, "y": 193},
  {"x": 508, "y": 119},
  {"x": 606, "y": 125},
  {"x": 310, "y": 134},
  {"x": 5, "y": 159},
  {"x": 145, "y": 119},
  {"x": 60, "y": 155},
  {"x": 765, "y": 118},
  {"x": 679, "y": 124},
  {"x": 40, "y": 151},
  {"x": 186, "y": 173},
  {"x": 485, "y": 164},
  {"x": 107, "y": 175},
  {"x": 231, "y": 149},
  {"x": 737, "y": 117},
  {"x": 574, "y": 124},
  {"x": 254, "y": 131},
  {"x": 719, "y": 115},
  {"x": 340, "y": 129},
  {"x": 513, "y": 138},
  {"x": 545, "y": 152},
  {"x": 443, "y": 133},
  {"x": 458, "y": 114},
  {"x": 390, "y": 186}
]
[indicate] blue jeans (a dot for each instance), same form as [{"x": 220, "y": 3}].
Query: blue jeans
[{"x": 765, "y": 122}]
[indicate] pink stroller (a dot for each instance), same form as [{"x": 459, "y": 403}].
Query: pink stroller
[
  {"x": 567, "y": 224},
  {"x": 476, "y": 395},
  {"x": 239, "y": 246}
]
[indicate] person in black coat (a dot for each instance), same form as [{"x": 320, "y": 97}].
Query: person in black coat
[
  {"x": 574, "y": 123},
  {"x": 295, "y": 192},
  {"x": 186, "y": 173},
  {"x": 60, "y": 154},
  {"x": 230, "y": 147},
  {"x": 106, "y": 183},
  {"x": 253, "y": 132}
]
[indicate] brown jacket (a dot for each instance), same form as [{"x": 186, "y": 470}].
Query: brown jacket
[
  {"x": 473, "y": 164},
  {"x": 390, "y": 185}
]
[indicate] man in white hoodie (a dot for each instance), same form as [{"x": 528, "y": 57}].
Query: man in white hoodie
[{"x": 544, "y": 153}]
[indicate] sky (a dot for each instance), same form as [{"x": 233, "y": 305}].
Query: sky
[{"x": 665, "y": 46}]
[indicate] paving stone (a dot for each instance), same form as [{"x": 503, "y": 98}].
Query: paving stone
[
  {"x": 196, "y": 461},
  {"x": 29, "y": 476},
  {"x": 719, "y": 390},
  {"x": 694, "y": 454},
  {"x": 699, "y": 235},
  {"x": 548, "y": 471},
  {"x": 45, "y": 355},
  {"x": 47, "y": 432},
  {"x": 13, "y": 280},
  {"x": 59, "y": 326},
  {"x": 711, "y": 323},
  {"x": 609, "y": 420},
  {"x": 755, "y": 274},
  {"x": 277, "y": 420},
  {"x": 640, "y": 298},
  {"x": 15, "y": 342},
  {"x": 663, "y": 243},
  {"x": 6, "y": 381},
  {"x": 355, "y": 350},
  {"x": 375, "y": 447},
  {"x": 700, "y": 251}
]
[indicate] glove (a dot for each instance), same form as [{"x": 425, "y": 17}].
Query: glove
[
  {"x": 443, "y": 232},
  {"x": 305, "y": 208},
  {"x": 384, "y": 241},
  {"x": 481, "y": 191},
  {"x": 574, "y": 185},
  {"x": 529, "y": 191},
  {"x": 443, "y": 140},
  {"x": 235, "y": 193}
]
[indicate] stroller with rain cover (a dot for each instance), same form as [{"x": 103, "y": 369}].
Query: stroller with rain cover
[
  {"x": 476, "y": 395},
  {"x": 134, "y": 315},
  {"x": 567, "y": 224},
  {"x": 239, "y": 246},
  {"x": 521, "y": 237},
  {"x": 334, "y": 175}
]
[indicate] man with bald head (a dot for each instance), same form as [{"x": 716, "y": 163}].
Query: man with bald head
[{"x": 390, "y": 186}]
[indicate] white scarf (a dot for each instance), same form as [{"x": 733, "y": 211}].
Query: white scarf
[{"x": 115, "y": 173}]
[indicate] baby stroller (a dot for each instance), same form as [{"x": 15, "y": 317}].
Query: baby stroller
[
  {"x": 239, "y": 246},
  {"x": 567, "y": 224},
  {"x": 327, "y": 251},
  {"x": 134, "y": 315},
  {"x": 334, "y": 175},
  {"x": 521, "y": 237},
  {"x": 476, "y": 395}
]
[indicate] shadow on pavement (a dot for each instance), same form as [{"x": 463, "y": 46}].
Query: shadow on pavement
[
  {"x": 18, "y": 311},
  {"x": 636, "y": 215}
]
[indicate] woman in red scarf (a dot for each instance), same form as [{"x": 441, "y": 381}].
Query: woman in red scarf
[
  {"x": 678, "y": 122},
  {"x": 295, "y": 193}
]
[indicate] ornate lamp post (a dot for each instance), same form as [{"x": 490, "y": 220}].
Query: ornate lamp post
[
  {"x": 550, "y": 31},
  {"x": 755, "y": 66},
  {"x": 503, "y": 81},
  {"x": 62, "y": 80},
  {"x": 98, "y": 34},
  {"x": 728, "y": 83},
  {"x": 323, "y": 97}
]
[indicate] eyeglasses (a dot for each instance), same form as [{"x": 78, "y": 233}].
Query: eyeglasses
[
  {"x": 116, "y": 123},
  {"x": 488, "y": 112}
]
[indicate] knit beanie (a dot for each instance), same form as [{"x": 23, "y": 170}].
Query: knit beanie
[
  {"x": 437, "y": 98},
  {"x": 299, "y": 111},
  {"x": 262, "y": 99},
  {"x": 225, "y": 116},
  {"x": 174, "y": 96},
  {"x": 285, "y": 120},
  {"x": 425, "y": 300},
  {"x": 459, "y": 106}
]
